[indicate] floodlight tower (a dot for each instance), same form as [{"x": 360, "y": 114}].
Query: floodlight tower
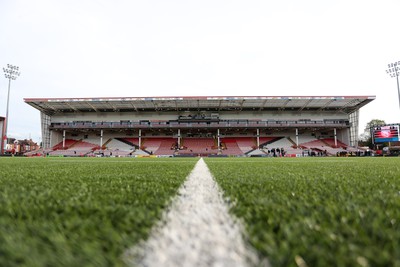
[
  {"x": 394, "y": 71},
  {"x": 11, "y": 73}
]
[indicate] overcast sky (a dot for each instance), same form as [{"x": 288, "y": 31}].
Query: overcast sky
[{"x": 128, "y": 48}]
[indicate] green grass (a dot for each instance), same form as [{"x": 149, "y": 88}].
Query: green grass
[
  {"x": 81, "y": 212},
  {"x": 325, "y": 211},
  {"x": 87, "y": 211}
]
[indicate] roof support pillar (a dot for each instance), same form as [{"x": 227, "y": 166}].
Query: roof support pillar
[
  {"x": 101, "y": 139},
  {"x": 50, "y": 139},
  {"x": 258, "y": 138},
  {"x": 63, "y": 139},
  {"x": 179, "y": 138},
  {"x": 334, "y": 133},
  {"x": 218, "y": 141},
  {"x": 297, "y": 138},
  {"x": 140, "y": 138}
]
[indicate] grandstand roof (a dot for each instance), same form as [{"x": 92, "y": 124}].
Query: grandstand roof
[{"x": 51, "y": 106}]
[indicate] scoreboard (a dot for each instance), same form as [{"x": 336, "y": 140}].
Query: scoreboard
[{"x": 387, "y": 133}]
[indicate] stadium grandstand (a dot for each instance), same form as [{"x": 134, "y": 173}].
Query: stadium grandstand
[{"x": 205, "y": 126}]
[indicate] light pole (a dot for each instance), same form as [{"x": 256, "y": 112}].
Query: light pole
[
  {"x": 11, "y": 73},
  {"x": 394, "y": 71}
]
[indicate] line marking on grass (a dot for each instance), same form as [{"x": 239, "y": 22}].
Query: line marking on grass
[{"x": 197, "y": 230}]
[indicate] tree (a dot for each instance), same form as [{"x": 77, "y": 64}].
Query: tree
[{"x": 365, "y": 137}]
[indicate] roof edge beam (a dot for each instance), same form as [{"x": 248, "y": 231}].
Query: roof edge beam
[
  {"x": 93, "y": 107},
  {"x": 72, "y": 107},
  {"x": 305, "y": 104},
  {"x": 327, "y": 104}
]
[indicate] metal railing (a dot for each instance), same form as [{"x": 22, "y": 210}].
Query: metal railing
[{"x": 220, "y": 124}]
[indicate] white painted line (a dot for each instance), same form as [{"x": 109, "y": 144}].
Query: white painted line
[{"x": 196, "y": 231}]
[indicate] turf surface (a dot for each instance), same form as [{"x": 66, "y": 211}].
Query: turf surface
[
  {"x": 316, "y": 211},
  {"x": 81, "y": 212},
  {"x": 86, "y": 212}
]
